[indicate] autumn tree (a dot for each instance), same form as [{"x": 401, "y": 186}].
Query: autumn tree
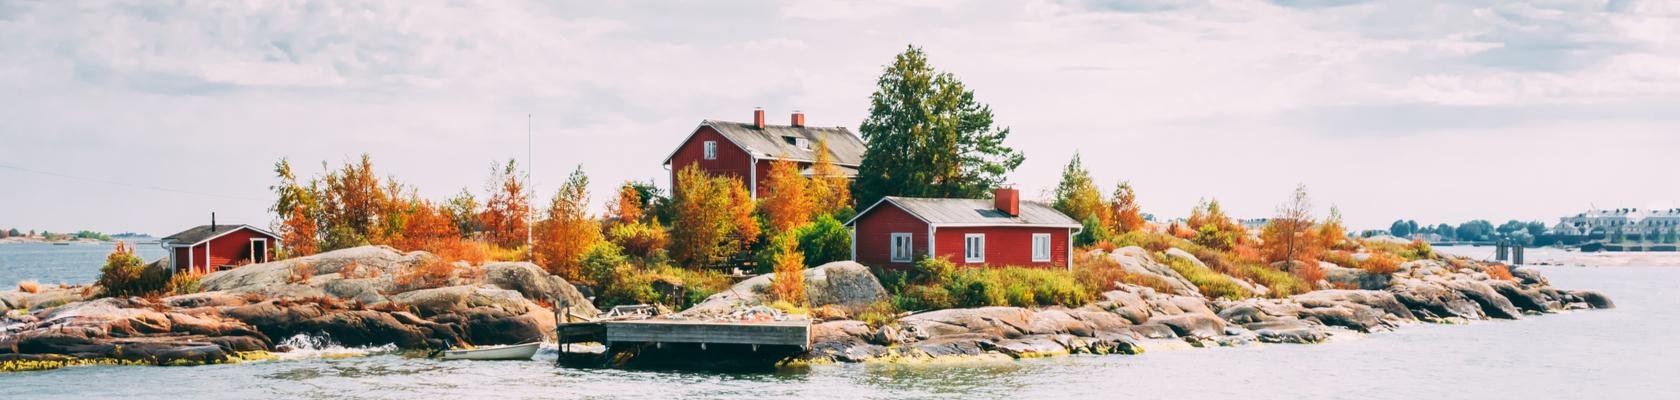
[
  {"x": 568, "y": 231},
  {"x": 788, "y": 283},
  {"x": 1215, "y": 229},
  {"x": 927, "y": 136},
  {"x": 1077, "y": 194},
  {"x": 830, "y": 190},
  {"x": 428, "y": 227},
  {"x": 712, "y": 218},
  {"x": 463, "y": 210},
  {"x": 1289, "y": 236},
  {"x": 627, "y": 207},
  {"x": 507, "y": 212},
  {"x": 1332, "y": 233},
  {"x": 295, "y": 209},
  {"x": 785, "y": 203},
  {"x": 1128, "y": 216}
]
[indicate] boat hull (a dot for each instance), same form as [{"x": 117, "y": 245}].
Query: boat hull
[{"x": 513, "y": 352}]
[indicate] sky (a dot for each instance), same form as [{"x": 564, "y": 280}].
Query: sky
[{"x": 147, "y": 116}]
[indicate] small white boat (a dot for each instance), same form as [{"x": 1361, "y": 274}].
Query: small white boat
[{"x": 509, "y": 352}]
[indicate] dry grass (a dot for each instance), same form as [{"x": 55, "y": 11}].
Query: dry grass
[
  {"x": 432, "y": 273},
  {"x": 1103, "y": 272},
  {"x": 1500, "y": 272},
  {"x": 300, "y": 274},
  {"x": 29, "y": 286},
  {"x": 1382, "y": 263}
]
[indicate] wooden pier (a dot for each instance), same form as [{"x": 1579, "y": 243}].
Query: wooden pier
[{"x": 659, "y": 342}]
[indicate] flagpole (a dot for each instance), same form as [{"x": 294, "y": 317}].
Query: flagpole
[{"x": 529, "y": 193}]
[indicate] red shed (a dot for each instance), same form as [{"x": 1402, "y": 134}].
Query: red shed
[
  {"x": 1003, "y": 231},
  {"x": 208, "y": 248},
  {"x": 744, "y": 150}
]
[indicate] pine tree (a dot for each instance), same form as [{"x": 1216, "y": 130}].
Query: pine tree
[{"x": 927, "y": 137}]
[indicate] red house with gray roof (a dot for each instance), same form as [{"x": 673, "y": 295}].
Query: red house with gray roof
[
  {"x": 745, "y": 150},
  {"x": 209, "y": 248},
  {"x": 1003, "y": 231}
]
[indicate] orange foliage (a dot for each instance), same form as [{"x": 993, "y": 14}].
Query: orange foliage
[
  {"x": 1288, "y": 239},
  {"x": 428, "y": 228},
  {"x": 1331, "y": 233},
  {"x": 355, "y": 201},
  {"x": 431, "y": 273},
  {"x": 788, "y": 284},
  {"x": 505, "y": 219},
  {"x": 713, "y": 218},
  {"x": 1309, "y": 272},
  {"x": 1500, "y": 272},
  {"x": 1246, "y": 253},
  {"x": 29, "y": 287},
  {"x": 568, "y": 232},
  {"x": 1128, "y": 216},
  {"x": 297, "y": 234},
  {"x": 627, "y": 207},
  {"x": 1382, "y": 263},
  {"x": 830, "y": 190},
  {"x": 785, "y": 204},
  {"x": 1106, "y": 246},
  {"x": 1180, "y": 231}
]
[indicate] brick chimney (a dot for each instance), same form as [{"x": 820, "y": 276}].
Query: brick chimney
[
  {"x": 758, "y": 117},
  {"x": 1007, "y": 200},
  {"x": 798, "y": 119}
]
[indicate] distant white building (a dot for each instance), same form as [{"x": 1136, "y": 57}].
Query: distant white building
[{"x": 1628, "y": 220}]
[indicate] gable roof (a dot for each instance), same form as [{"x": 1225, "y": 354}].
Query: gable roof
[
  {"x": 770, "y": 142},
  {"x": 973, "y": 212},
  {"x": 202, "y": 233}
]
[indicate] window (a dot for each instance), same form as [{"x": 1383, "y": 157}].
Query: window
[
  {"x": 901, "y": 247},
  {"x": 711, "y": 150},
  {"x": 1041, "y": 247},
  {"x": 974, "y": 248},
  {"x": 797, "y": 142}
]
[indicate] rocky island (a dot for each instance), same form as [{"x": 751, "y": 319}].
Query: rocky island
[{"x": 366, "y": 296}]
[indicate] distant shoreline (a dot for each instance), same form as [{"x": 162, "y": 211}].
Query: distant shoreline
[{"x": 1613, "y": 259}]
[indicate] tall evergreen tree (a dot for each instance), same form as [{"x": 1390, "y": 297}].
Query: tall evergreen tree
[{"x": 928, "y": 137}]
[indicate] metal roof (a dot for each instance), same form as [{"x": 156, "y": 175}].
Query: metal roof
[
  {"x": 975, "y": 212},
  {"x": 201, "y": 233},
  {"x": 773, "y": 141}
]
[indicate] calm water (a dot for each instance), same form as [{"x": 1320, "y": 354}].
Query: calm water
[
  {"x": 74, "y": 263},
  {"x": 1620, "y": 353}
]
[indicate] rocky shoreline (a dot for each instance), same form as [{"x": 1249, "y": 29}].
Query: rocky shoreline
[
  {"x": 360, "y": 297},
  {"x": 1131, "y": 319}
]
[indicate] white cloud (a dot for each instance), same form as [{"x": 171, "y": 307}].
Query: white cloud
[{"x": 1220, "y": 98}]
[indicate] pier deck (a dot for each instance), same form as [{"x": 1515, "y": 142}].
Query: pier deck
[{"x": 656, "y": 331}]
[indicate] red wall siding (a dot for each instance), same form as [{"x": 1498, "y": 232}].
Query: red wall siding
[
  {"x": 731, "y": 160},
  {"x": 224, "y": 250},
  {"x": 1005, "y": 246},
  {"x": 181, "y": 258},
  {"x": 874, "y": 236}
]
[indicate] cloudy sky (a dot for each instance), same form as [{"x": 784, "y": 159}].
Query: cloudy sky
[{"x": 149, "y": 115}]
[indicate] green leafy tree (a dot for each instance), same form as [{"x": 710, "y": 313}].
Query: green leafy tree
[
  {"x": 1400, "y": 229},
  {"x": 1077, "y": 194},
  {"x": 825, "y": 240},
  {"x": 927, "y": 136}
]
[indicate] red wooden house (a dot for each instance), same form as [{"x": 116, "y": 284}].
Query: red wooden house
[
  {"x": 208, "y": 248},
  {"x": 1003, "y": 231},
  {"x": 745, "y": 150}
]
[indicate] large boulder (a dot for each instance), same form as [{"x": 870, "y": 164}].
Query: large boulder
[
  {"x": 427, "y": 302},
  {"x": 997, "y": 322},
  {"x": 384, "y": 258},
  {"x": 1193, "y": 325},
  {"x": 1137, "y": 261},
  {"x": 534, "y": 283},
  {"x": 1379, "y": 300},
  {"x": 843, "y": 284},
  {"x": 1352, "y": 277},
  {"x": 1433, "y": 300}
]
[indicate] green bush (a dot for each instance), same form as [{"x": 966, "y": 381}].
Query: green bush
[
  {"x": 878, "y": 313},
  {"x": 772, "y": 247},
  {"x": 1211, "y": 283},
  {"x": 923, "y": 297},
  {"x": 1092, "y": 231},
  {"x": 932, "y": 270},
  {"x": 1282, "y": 284},
  {"x": 184, "y": 283},
  {"x": 125, "y": 274},
  {"x": 677, "y": 288},
  {"x": 825, "y": 240},
  {"x": 1211, "y": 236},
  {"x": 601, "y": 261}
]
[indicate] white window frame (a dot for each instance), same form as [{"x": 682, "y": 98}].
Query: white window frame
[
  {"x": 974, "y": 248},
  {"x": 1036, "y": 248},
  {"x": 901, "y": 241},
  {"x": 710, "y": 147}
]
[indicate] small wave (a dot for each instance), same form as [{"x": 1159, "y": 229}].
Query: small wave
[{"x": 308, "y": 346}]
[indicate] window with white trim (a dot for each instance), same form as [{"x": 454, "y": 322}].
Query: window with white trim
[
  {"x": 974, "y": 248},
  {"x": 902, "y": 246},
  {"x": 1041, "y": 247},
  {"x": 711, "y": 150}
]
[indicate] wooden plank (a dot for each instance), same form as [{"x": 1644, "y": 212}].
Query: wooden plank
[{"x": 782, "y": 333}]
